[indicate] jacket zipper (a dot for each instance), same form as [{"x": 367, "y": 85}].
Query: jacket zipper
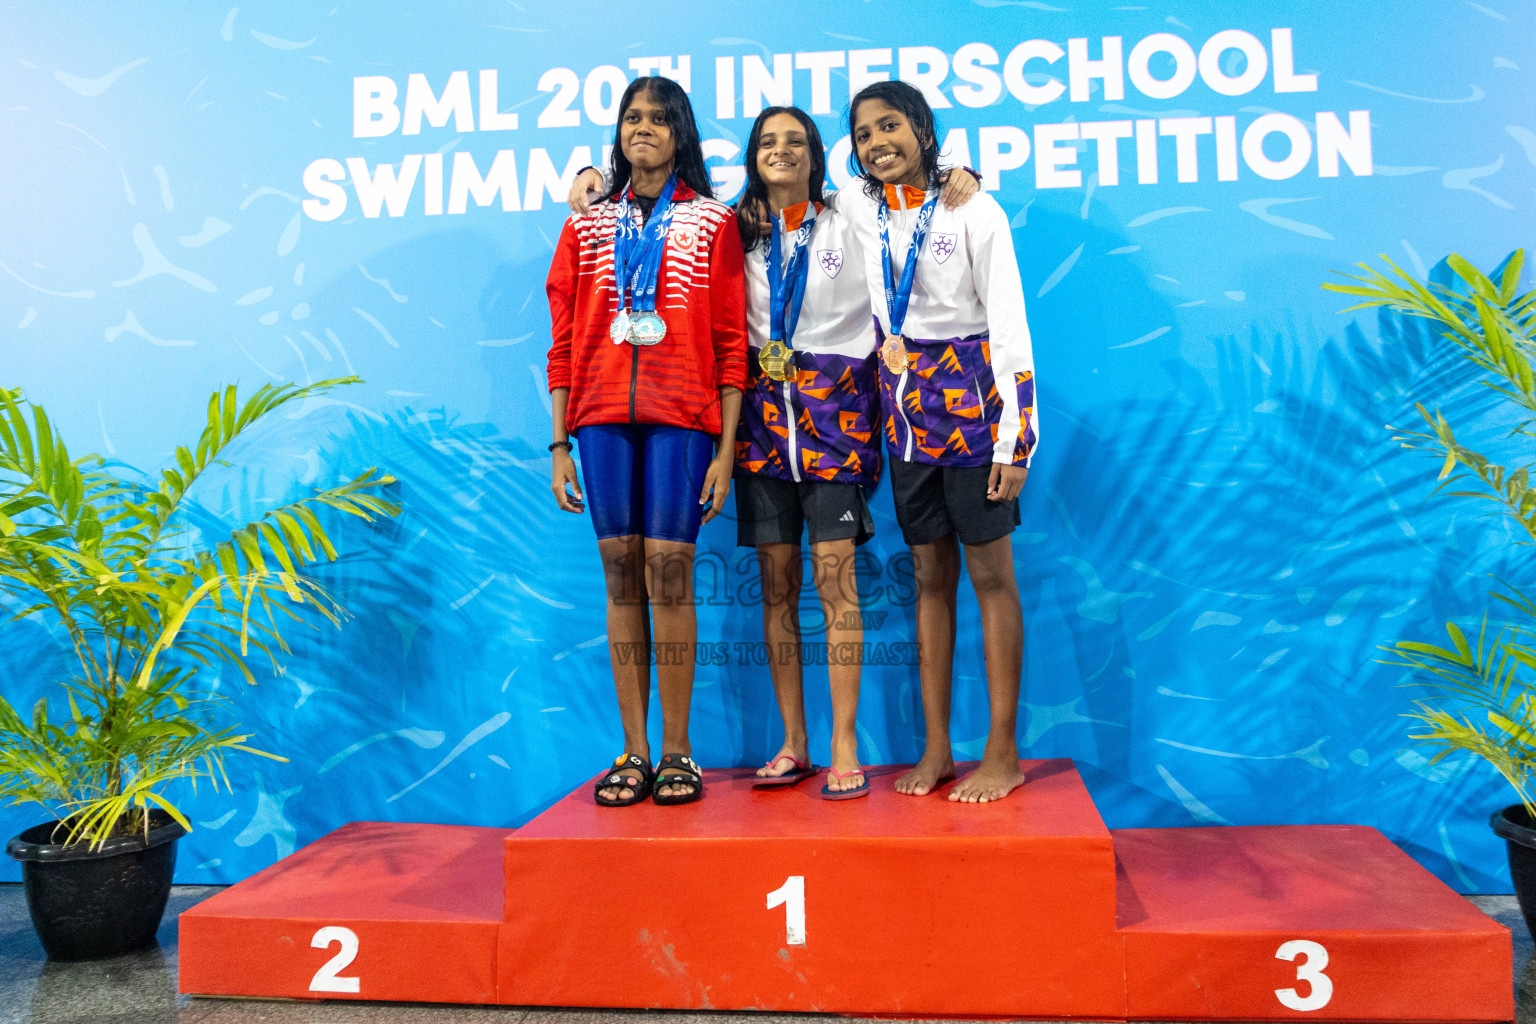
[
  {"x": 789, "y": 414},
  {"x": 634, "y": 355},
  {"x": 634, "y": 378}
]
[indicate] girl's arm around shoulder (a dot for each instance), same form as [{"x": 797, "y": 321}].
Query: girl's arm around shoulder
[
  {"x": 851, "y": 202},
  {"x": 854, "y": 214}
]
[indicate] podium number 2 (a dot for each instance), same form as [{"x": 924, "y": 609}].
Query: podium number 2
[
  {"x": 791, "y": 896},
  {"x": 325, "y": 979},
  {"x": 1309, "y": 970}
]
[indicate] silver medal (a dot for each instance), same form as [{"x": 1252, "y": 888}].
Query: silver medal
[
  {"x": 646, "y": 328},
  {"x": 618, "y": 327}
]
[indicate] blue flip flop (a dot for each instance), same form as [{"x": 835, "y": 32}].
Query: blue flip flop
[
  {"x": 800, "y": 773},
  {"x": 846, "y": 794}
]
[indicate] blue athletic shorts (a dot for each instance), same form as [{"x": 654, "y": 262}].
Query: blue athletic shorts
[{"x": 644, "y": 478}]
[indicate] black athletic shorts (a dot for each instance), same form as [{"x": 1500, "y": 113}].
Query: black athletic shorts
[
  {"x": 933, "y": 501},
  {"x": 773, "y": 511}
]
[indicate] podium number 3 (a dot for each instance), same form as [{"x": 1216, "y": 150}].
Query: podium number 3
[
  {"x": 791, "y": 896},
  {"x": 325, "y": 979},
  {"x": 1309, "y": 970}
]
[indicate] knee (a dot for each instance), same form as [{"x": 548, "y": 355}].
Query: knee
[
  {"x": 933, "y": 573},
  {"x": 838, "y": 589},
  {"x": 621, "y": 568},
  {"x": 839, "y": 594},
  {"x": 777, "y": 594},
  {"x": 779, "y": 575},
  {"x": 992, "y": 580},
  {"x": 669, "y": 574}
]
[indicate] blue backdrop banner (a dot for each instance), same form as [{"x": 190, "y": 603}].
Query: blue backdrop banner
[{"x": 1218, "y": 531}]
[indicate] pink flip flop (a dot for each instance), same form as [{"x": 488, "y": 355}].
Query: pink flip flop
[
  {"x": 845, "y": 794},
  {"x": 800, "y": 773}
]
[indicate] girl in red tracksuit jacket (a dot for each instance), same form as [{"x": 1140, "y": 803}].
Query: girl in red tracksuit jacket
[{"x": 646, "y": 370}]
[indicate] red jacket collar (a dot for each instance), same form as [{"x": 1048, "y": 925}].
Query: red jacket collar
[{"x": 681, "y": 193}]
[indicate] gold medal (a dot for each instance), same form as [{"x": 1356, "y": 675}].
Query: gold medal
[
  {"x": 775, "y": 358},
  {"x": 894, "y": 353}
]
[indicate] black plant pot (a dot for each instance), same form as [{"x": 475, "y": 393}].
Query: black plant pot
[
  {"x": 1515, "y": 825},
  {"x": 89, "y": 903}
]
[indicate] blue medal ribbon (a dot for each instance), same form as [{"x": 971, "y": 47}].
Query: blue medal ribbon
[
  {"x": 898, "y": 295},
  {"x": 787, "y": 289},
  {"x": 637, "y": 250}
]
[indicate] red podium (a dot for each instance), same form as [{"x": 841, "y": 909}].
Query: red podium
[
  {"x": 371, "y": 911},
  {"x": 896, "y": 905},
  {"x": 1222, "y": 922}
]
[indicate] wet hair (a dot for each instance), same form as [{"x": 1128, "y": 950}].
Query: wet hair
[
  {"x": 687, "y": 155},
  {"x": 909, "y": 101},
  {"x": 756, "y": 193}
]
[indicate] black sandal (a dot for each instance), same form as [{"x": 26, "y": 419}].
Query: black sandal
[
  {"x": 686, "y": 773},
  {"x": 625, "y": 766}
]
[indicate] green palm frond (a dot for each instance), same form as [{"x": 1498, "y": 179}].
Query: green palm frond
[
  {"x": 1488, "y": 704},
  {"x": 1506, "y": 744},
  {"x": 144, "y": 515},
  {"x": 1493, "y": 326},
  {"x": 106, "y": 557},
  {"x": 1485, "y": 676}
]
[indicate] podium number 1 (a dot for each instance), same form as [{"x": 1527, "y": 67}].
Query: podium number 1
[
  {"x": 325, "y": 979},
  {"x": 791, "y": 896},
  {"x": 1309, "y": 970}
]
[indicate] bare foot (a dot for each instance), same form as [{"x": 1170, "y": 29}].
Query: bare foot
[
  {"x": 784, "y": 762},
  {"x": 990, "y": 781},
  {"x": 925, "y": 776}
]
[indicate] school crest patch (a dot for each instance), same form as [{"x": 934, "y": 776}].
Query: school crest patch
[
  {"x": 942, "y": 246},
  {"x": 831, "y": 261}
]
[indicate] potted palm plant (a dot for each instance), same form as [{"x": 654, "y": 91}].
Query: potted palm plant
[
  {"x": 1485, "y": 694},
  {"x": 146, "y": 606}
]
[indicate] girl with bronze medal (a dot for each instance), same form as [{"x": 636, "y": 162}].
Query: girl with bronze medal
[
  {"x": 899, "y": 294},
  {"x": 645, "y": 371},
  {"x": 959, "y": 389}
]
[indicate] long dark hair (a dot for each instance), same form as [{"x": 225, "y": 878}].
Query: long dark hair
[
  {"x": 688, "y": 156},
  {"x": 756, "y": 193},
  {"x": 914, "y": 107}
]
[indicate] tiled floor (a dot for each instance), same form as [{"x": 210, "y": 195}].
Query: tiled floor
[{"x": 140, "y": 988}]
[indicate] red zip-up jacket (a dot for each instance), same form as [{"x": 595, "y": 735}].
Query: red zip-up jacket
[{"x": 700, "y": 295}]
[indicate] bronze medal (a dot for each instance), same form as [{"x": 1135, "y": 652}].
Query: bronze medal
[
  {"x": 775, "y": 358},
  {"x": 894, "y": 353}
]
